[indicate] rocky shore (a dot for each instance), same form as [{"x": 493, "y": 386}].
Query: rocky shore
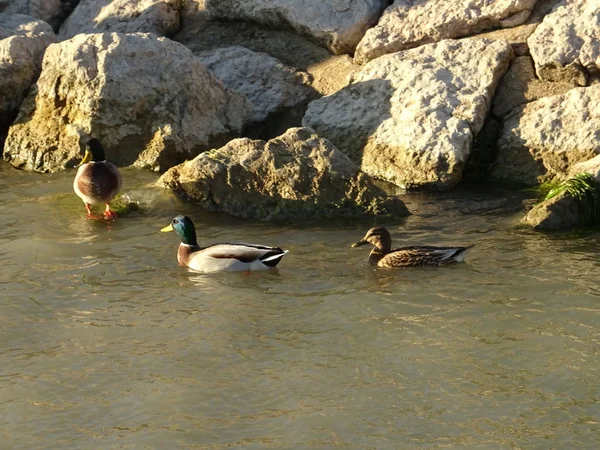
[{"x": 271, "y": 109}]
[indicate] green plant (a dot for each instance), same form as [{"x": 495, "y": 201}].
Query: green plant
[{"x": 585, "y": 190}]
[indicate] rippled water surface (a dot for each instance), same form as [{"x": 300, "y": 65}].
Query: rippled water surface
[{"x": 106, "y": 343}]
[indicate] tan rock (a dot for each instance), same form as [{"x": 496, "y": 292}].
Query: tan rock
[
  {"x": 23, "y": 41},
  {"x": 337, "y": 24},
  {"x": 265, "y": 81},
  {"x": 297, "y": 175},
  {"x": 108, "y": 86},
  {"x": 520, "y": 85},
  {"x": 566, "y": 44},
  {"x": 161, "y": 17},
  {"x": 410, "y": 117},
  {"x": 53, "y": 12},
  {"x": 544, "y": 139},
  {"x": 559, "y": 213},
  {"x": 411, "y": 23}
]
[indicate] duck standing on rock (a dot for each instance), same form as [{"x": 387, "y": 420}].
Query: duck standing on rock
[
  {"x": 220, "y": 257},
  {"x": 97, "y": 181},
  {"x": 382, "y": 254}
]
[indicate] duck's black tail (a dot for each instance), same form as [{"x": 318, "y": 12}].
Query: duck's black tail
[{"x": 271, "y": 259}]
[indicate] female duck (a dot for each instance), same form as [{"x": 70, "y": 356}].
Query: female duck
[
  {"x": 382, "y": 254},
  {"x": 220, "y": 257},
  {"x": 97, "y": 181}
]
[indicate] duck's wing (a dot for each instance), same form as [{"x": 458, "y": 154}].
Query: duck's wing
[
  {"x": 423, "y": 255},
  {"x": 236, "y": 256}
]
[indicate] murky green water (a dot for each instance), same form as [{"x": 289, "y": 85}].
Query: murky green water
[{"x": 106, "y": 343}]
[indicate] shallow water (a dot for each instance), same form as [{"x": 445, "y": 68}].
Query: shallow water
[{"x": 106, "y": 343}]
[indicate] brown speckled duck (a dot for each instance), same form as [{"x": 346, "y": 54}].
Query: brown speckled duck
[
  {"x": 382, "y": 254},
  {"x": 97, "y": 181}
]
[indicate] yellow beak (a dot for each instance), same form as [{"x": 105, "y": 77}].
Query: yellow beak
[
  {"x": 358, "y": 244},
  {"x": 86, "y": 158},
  {"x": 167, "y": 228}
]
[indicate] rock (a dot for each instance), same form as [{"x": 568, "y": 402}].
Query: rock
[
  {"x": 560, "y": 212},
  {"x": 297, "y": 175},
  {"x": 591, "y": 166},
  {"x": 329, "y": 72},
  {"x": 23, "y": 41},
  {"x": 520, "y": 85},
  {"x": 542, "y": 140},
  {"x": 566, "y": 44},
  {"x": 266, "y": 82},
  {"x": 108, "y": 86},
  {"x": 411, "y": 23},
  {"x": 410, "y": 117},
  {"x": 161, "y": 17},
  {"x": 337, "y": 24},
  {"x": 53, "y": 12}
]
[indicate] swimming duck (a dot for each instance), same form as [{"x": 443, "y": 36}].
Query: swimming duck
[
  {"x": 382, "y": 254},
  {"x": 220, "y": 257},
  {"x": 97, "y": 180}
]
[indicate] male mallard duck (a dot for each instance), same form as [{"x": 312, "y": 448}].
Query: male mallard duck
[
  {"x": 217, "y": 257},
  {"x": 97, "y": 180},
  {"x": 382, "y": 254}
]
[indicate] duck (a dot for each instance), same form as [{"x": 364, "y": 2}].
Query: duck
[
  {"x": 229, "y": 257},
  {"x": 97, "y": 181},
  {"x": 382, "y": 254}
]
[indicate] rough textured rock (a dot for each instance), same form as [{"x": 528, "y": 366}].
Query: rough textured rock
[
  {"x": 330, "y": 72},
  {"x": 107, "y": 85},
  {"x": 50, "y": 11},
  {"x": 161, "y": 17},
  {"x": 567, "y": 42},
  {"x": 411, "y": 23},
  {"x": 558, "y": 213},
  {"x": 410, "y": 117},
  {"x": 337, "y": 24},
  {"x": 266, "y": 82},
  {"x": 544, "y": 139},
  {"x": 591, "y": 166},
  {"x": 295, "y": 175},
  {"x": 23, "y": 41},
  {"x": 520, "y": 85}
]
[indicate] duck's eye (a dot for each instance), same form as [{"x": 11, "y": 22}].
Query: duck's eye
[{"x": 174, "y": 220}]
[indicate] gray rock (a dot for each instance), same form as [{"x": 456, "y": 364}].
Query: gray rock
[
  {"x": 108, "y": 86},
  {"x": 566, "y": 44},
  {"x": 411, "y": 23},
  {"x": 544, "y": 139},
  {"x": 559, "y": 213},
  {"x": 410, "y": 117},
  {"x": 53, "y": 12},
  {"x": 266, "y": 82},
  {"x": 337, "y": 24},
  {"x": 297, "y": 175},
  {"x": 23, "y": 41},
  {"x": 161, "y": 17}
]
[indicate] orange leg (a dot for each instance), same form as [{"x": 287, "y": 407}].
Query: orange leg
[
  {"x": 90, "y": 214},
  {"x": 108, "y": 214}
]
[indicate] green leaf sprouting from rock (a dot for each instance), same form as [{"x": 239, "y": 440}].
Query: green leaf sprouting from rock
[{"x": 585, "y": 190}]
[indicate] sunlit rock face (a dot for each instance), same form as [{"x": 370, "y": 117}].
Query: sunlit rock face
[
  {"x": 53, "y": 12},
  {"x": 410, "y": 23},
  {"x": 108, "y": 86},
  {"x": 410, "y": 117},
  {"x": 161, "y": 17},
  {"x": 23, "y": 41},
  {"x": 296, "y": 175},
  {"x": 544, "y": 139}
]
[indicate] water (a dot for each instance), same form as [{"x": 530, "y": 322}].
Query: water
[{"x": 106, "y": 343}]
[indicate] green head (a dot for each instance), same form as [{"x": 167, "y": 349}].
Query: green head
[
  {"x": 184, "y": 227},
  {"x": 93, "y": 151}
]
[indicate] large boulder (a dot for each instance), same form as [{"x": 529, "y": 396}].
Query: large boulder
[
  {"x": 410, "y": 117},
  {"x": 50, "y": 11},
  {"x": 566, "y": 45},
  {"x": 542, "y": 140},
  {"x": 23, "y": 41},
  {"x": 338, "y": 25},
  {"x": 411, "y": 23},
  {"x": 297, "y": 175},
  {"x": 108, "y": 86},
  {"x": 264, "y": 80},
  {"x": 161, "y": 17}
]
